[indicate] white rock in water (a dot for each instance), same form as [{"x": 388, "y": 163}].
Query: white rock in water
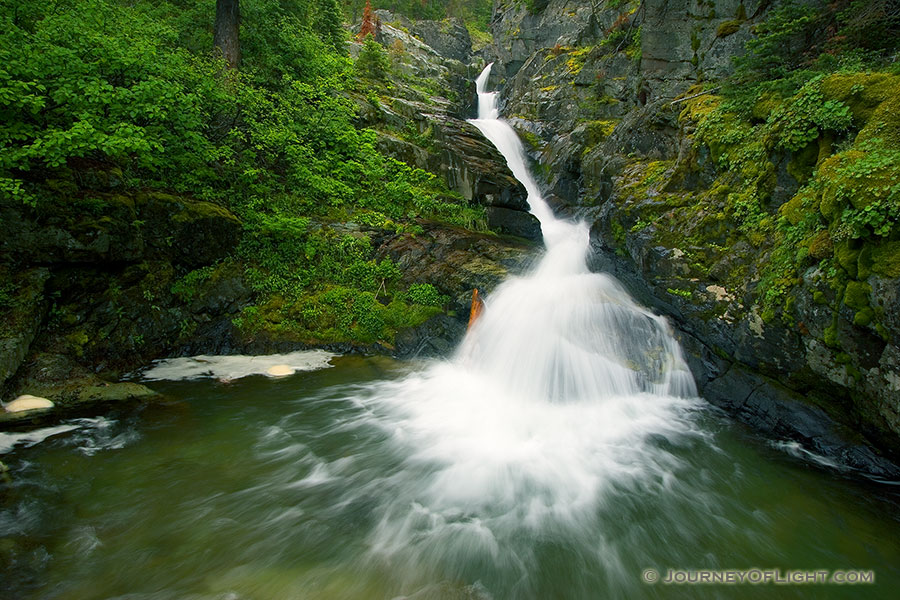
[
  {"x": 280, "y": 370},
  {"x": 28, "y": 402}
]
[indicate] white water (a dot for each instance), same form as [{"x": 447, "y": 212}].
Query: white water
[
  {"x": 556, "y": 402},
  {"x": 234, "y": 366}
]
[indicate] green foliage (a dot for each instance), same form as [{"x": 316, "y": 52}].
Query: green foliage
[
  {"x": 677, "y": 292},
  {"x": 475, "y": 13},
  {"x": 425, "y": 294},
  {"x": 807, "y": 115},
  {"x": 781, "y": 42},
  {"x": 132, "y": 88},
  {"x": 373, "y": 62},
  {"x": 329, "y": 23},
  {"x": 188, "y": 287}
]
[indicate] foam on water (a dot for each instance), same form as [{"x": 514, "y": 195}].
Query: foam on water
[{"x": 234, "y": 366}]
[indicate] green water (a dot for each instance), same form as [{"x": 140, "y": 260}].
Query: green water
[{"x": 295, "y": 488}]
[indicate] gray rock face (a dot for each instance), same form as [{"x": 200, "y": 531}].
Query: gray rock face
[
  {"x": 514, "y": 222},
  {"x": 594, "y": 102},
  {"x": 448, "y": 38}
]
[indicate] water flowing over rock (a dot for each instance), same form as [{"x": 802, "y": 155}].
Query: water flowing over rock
[
  {"x": 558, "y": 394},
  {"x": 592, "y": 89}
]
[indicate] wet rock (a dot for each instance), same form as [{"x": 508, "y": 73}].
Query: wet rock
[
  {"x": 773, "y": 409},
  {"x": 24, "y": 310},
  {"x": 70, "y": 388},
  {"x": 193, "y": 232},
  {"x": 514, "y": 222},
  {"x": 437, "y": 336},
  {"x": 456, "y": 261},
  {"x": 71, "y": 230}
]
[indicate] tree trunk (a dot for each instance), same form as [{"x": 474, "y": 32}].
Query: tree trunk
[{"x": 225, "y": 38}]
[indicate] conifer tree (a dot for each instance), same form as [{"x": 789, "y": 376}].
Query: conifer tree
[
  {"x": 328, "y": 24},
  {"x": 368, "y": 22}
]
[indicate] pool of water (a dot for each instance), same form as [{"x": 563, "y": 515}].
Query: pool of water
[{"x": 336, "y": 483}]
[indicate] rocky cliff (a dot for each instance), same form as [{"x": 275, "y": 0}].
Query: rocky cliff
[{"x": 717, "y": 220}]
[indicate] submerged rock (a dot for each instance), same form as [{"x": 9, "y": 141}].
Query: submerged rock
[
  {"x": 280, "y": 370},
  {"x": 27, "y": 402},
  {"x": 66, "y": 389}
]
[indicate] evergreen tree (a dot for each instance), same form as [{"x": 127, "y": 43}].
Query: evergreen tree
[
  {"x": 329, "y": 26},
  {"x": 368, "y": 23}
]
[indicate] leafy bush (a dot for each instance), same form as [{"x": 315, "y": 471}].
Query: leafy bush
[
  {"x": 425, "y": 294},
  {"x": 373, "y": 61}
]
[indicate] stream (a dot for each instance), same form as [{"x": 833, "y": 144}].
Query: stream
[{"x": 561, "y": 452}]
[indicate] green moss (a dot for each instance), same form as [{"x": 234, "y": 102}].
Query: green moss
[
  {"x": 801, "y": 165},
  {"x": 77, "y": 340},
  {"x": 855, "y": 373},
  {"x": 727, "y": 28},
  {"x": 597, "y": 131},
  {"x": 819, "y": 298},
  {"x": 677, "y": 292},
  {"x": 862, "y": 92},
  {"x": 797, "y": 208},
  {"x": 830, "y": 336},
  {"x": 618, "y": 233},
  {"x": 886, "y": 259},
  {"x": 884, "y": 124},
  {"x": 821, "y": 246},
  {"x": 856, "y": 294},
  {"x": 847, "y": 257},
  {"x": 863, "y": 317},
  {"x": 531, "y": 140}
]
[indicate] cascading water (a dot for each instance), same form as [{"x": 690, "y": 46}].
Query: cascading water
[
  {"x": 556, "y": 401},
  {"x": 563, "y": 333}
]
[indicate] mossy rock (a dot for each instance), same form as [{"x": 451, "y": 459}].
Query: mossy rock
[
  {"x": 863, "y": 317},
  {"x": 886, "y": 259},
  {"x": 847, "y": 257},
  {"x": 192, "y": 232},
  {"x": 115, "y": 392},
  {"x": 802, "y": 163},
  {"x": 728, "y": 28},
  {"x": 856, "y": 295},
  {"x": 821, "y": 246},
  {"x": 696, "y": 109},
  {"x": 862, "y": 92},
  {"x": 884, "y": 124},
  {"x": 796, "y": 209}
]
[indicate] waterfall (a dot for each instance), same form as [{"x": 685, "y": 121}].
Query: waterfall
[
  {"x": 556, "y": 401},
  {"x": 563, "y": 333}
]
